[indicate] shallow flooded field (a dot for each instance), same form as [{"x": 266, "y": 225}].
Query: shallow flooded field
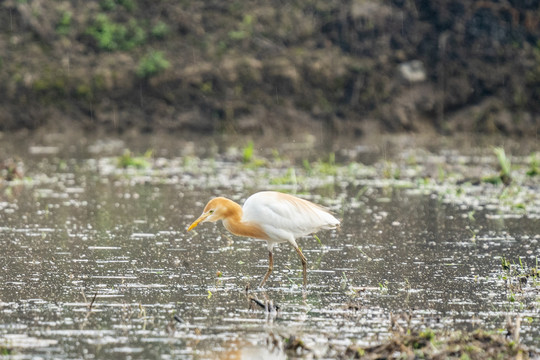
[{"x": 96, "y": 261}]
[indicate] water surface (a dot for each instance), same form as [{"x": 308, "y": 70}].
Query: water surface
[{"x": 96, "y": 260}]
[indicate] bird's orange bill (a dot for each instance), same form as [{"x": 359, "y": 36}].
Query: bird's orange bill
[{"x": 196, "y": 222}]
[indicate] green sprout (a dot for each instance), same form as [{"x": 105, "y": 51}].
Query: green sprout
[
  {"x": 534, "y": 166},
  {"x": 504, "y": 176},
  {"x": 247, "y": 153},
  {"x": 249, "y": 158},
  {"x": 127, "y": 159}
]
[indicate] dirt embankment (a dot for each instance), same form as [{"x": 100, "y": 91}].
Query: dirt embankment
[{"x": 264, "y": 66}]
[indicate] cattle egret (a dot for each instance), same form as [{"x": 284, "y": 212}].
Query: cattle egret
[{"x": 272, "y": 216}]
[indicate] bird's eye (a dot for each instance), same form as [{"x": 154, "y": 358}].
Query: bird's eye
[{"x": 211, "y": 211}]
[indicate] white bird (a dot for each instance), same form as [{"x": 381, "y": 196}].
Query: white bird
[{"x": 272, "y": 216}]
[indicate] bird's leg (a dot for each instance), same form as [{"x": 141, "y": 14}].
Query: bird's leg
[
  {"x": 304, "y": 263},
  {"x": 270, "y": 268}
]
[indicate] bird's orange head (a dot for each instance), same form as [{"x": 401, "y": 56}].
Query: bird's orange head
[{"x": 216, "y": 209}]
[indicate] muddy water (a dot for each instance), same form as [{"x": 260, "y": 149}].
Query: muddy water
[{"x": 96, "y": 262}]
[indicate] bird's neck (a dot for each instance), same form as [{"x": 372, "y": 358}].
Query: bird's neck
[{"x": 234, "y": 223}]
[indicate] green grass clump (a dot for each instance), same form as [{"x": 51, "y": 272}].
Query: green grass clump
[
  {"x": 391, "y": 171},
  {"x": 324, "y": 167},
  {"x": 247, "y": 153},
  {"x": 63, "y": 27},
  {"x": 107, "y": 5},
  {"x": 307, "y": 166},
  {"x": 10, "y": 170},
  {"x": 288, "y": 179},
  {"x": 505, "y": 176},
  {"x": 520, "y": 278},
  {"x": 110, "y": 5},
  {"x": 160, "y": 30},
  {"x": 245, "y": 29},
  {"x": 128, "y": 160},
  {"x": 430, "y": 344},
  {"x": 534, "y": 166},
  {"x": 249, "y": 158},
  {"x": 493, "y": 179},
  {"x": 504, "y": 161},
  {"x": 129, "y": 5},
  {"x": 519, "y": 271},
  {"x": 111, "y": 36},
  {"x": 152, "y": 64},
  {"x": 5, "y": 351}
]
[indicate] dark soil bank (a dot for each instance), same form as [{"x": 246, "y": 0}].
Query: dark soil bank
[{"x": 271, "y": 66}]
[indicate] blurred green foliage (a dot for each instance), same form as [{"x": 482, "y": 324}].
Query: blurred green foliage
[
  {"x": 160, "y": 30},
  {"x": 152, "y": 64},
  {"x": 111, "y": 36},
  {"x": 64, "y": 25}
]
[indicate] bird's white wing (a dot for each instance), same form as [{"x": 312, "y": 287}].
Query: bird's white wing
[{"x": 282, "y": 215}]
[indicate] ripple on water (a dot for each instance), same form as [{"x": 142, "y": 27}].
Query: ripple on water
[{"x": 415, "y": 246}]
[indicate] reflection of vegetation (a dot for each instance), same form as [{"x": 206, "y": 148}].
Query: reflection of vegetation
[{"x": 127, "y": 159}]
